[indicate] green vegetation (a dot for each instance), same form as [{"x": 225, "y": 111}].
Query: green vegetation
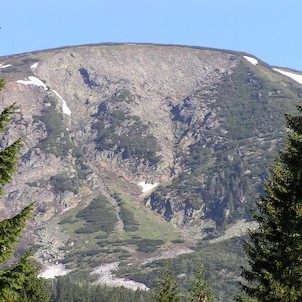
[
  {"x": 142, "y": 223},
  {"x": 142, "y": 231},
  {"x": 57, "y": 140},
  {"x": 253, "y": 104},
  {"x": 167, "y": 289},
  {"x": 130, "y": 224},
  {"x": 148, "y": 246},
  {"x": 97, "y": 216},
  {"x": 125, "y": 134},
  {"x": 62, "y": 183},
  {"x": 226, "y": 167},
  {"x": 200, "y": 291},
  {"x": 274, "y": 250},
  {"x": 123, "y": 95}
]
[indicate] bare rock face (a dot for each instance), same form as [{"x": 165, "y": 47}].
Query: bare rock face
[{"x": 99, "y": 119}]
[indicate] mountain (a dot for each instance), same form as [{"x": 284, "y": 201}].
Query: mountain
[{"x": 131, "y": 150}]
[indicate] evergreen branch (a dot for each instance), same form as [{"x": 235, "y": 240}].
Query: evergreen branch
[
  {"x": 10, "y": 230},
  {"x": 8, "y": 161},
  {"x": 5, "y": 116}
]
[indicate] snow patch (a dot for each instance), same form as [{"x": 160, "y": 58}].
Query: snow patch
[
  {"x": 147, "y": 186},
  {"x": 5, "y": 66},
  {"x": 52, "y": 271},
  {"x": 65, "y": 108},
  {"x": 106, "y": 277},
  {"x": 296, "y": 77},
  {"x": 251, "y": 60},
  {"x": 33, "y": 81},
  {"x": 34, "y": 66}
]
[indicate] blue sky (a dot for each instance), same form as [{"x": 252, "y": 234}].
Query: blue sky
[{"x": 268, "y": 29}]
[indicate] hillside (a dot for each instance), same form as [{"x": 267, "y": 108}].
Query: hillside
[{"x": 134, "y": 150}]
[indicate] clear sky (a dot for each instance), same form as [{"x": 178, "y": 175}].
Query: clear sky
[{"x": 268, "y": 29}]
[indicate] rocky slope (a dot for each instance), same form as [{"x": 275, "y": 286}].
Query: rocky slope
[{"x": 201, "y": 125}]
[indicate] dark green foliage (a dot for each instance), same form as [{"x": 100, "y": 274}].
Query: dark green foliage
[
  {"x": 275, "y": 249},
  {"x": 5, "y": 115},
  {"x": 167, "y": 287},
  {"x": 123, "y": 95},
  {"x": 148, "y": 245},
  {"x": 34, "y": 289},
  {"x": 130, "y": 224},
  {"x": 8, "y": 160},
  {"x": 10, "y": 231},
  {"x": 125, "y": 134},
  {"x": 245, "y": 299},
  {"x": 2, "y": 84},
  {"x": 200, "y": 292},
  {"x": 14, "y": 278},
  {"x": 98, "y": 216},
  {"x": 178, "y": 241},
  {"x": 8, "y": 155},
  {"x": 62, "y": 182},
  {"x": 57, "y": 140},
  {"x": 251, "y": 104}
]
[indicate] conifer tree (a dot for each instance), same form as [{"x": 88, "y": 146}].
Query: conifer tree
[
  {"x": 201, "y": 291},
  {"x": 12, "y": 278},
  {"x": 34, "y": 288},
  {"x": 167, "y": 288},
  {"x": 275, "y": 249}
]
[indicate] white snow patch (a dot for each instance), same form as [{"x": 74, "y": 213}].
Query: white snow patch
[
  {"x": 65, "y": 108},
  {"x": 52, "y": 271},
  {"x": 33, "y": 81},
  {"x": 294, "y": 76},
  {"x": 34, "y": 66},
  {"x": 106, "y": 277},
  {"x": 5, "y": 66},
  {"x": 147, "y": 186},
  {"x": 251, "y": 60}
]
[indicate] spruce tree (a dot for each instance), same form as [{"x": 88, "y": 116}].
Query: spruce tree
[
  {"x": 34, "y": 288},
  {"x": 275, "y": 249},
  {"x": 167, "y": 287},
  {"x": 201, "y": 291},
  {"x": 13, "y": 278}
]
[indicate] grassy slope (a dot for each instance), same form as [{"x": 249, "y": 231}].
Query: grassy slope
[{"x": 146, "y": 231}]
